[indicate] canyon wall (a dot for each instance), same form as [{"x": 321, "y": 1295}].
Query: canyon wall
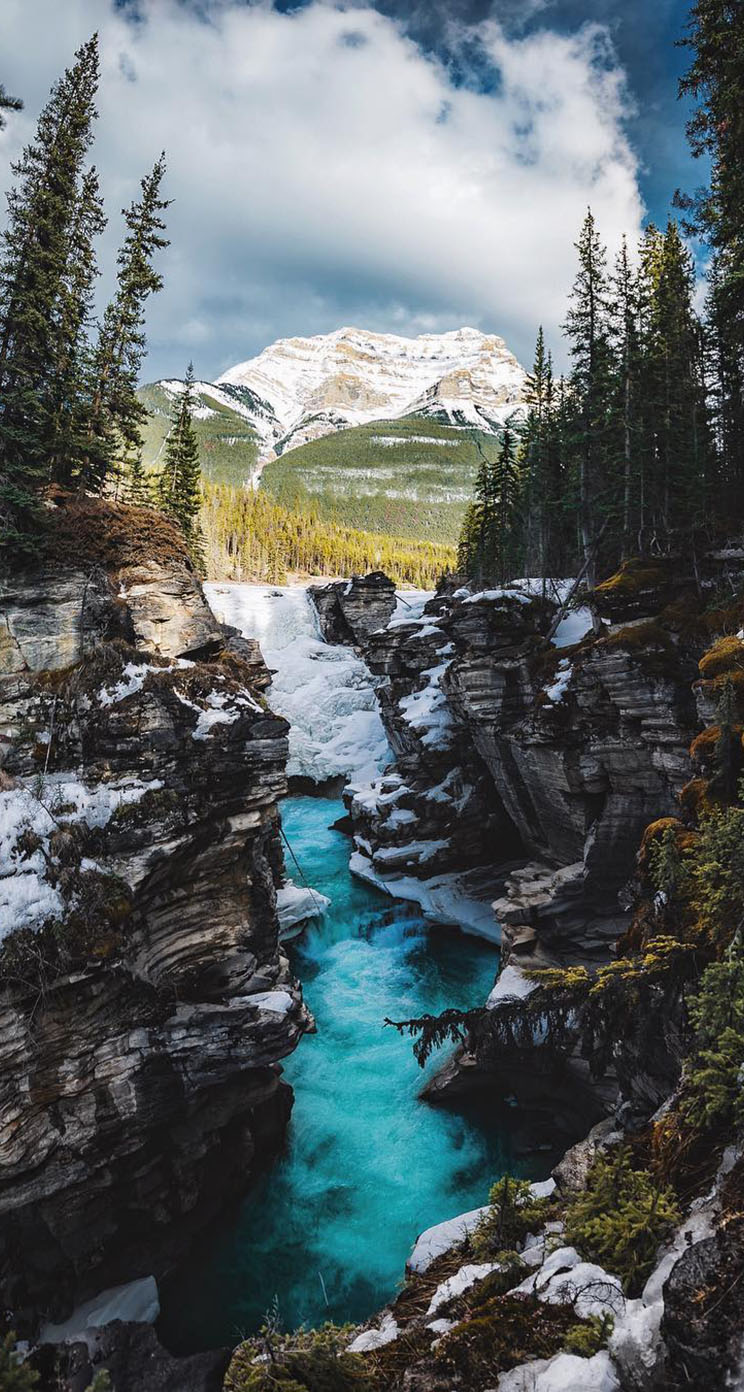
[{"x": 145, "y": 1003}]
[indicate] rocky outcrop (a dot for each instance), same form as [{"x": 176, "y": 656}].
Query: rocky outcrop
[
  {"x": 434, "y": 812},
  {"x": 551, "y": 760},
  {"x": 349, "y": 611},
  {"x": 568, "y": 753},
  {"x": 144, "y": 1001},
  {"x": 134, "y": 1359}
]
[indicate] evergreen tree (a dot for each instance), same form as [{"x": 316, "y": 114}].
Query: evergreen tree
[
  {"x": 138, "y": 489},
  {"x": 624, "y": 313},
  {"x": 591, "y": 381},
  {"x": 8, "y": 103},
  {"x": 35, "y": 285},
  {"x": 535, "y": 460},
  {"x": 478, "y": 536},
  {"x": 725, "y": 378},
  {"x": 115, "y": 414},
  {"x": 179, "y": 486},
  {"x": 677, "y": 484},
  {"x": 506, "y": 545},
  {"x": 491, "y": 541},
  {"x": 715, "y": 81},
  {"x": 69, "y": 380}
]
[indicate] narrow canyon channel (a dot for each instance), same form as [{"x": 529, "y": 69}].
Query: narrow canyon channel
[{"x": 324, "y": 1234}]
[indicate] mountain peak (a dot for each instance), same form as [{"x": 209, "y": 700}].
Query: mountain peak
[{"x": 351, "y": 376}]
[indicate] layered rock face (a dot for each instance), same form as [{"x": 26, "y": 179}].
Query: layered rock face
[
  {"x": 547, "y": 761},
  {"x": 433, "y": 812},
  {"x": 585, "y": 746},
  {"x": 350, "y": 611},
  {"x": 144, "y": 1001},
  {"x": 539, "y": 767}
]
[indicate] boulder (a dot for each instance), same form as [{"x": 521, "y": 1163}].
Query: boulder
[{"x": 349, "y": 611}]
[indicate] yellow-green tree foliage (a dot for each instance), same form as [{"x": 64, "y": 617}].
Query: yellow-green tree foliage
[{"x": 249, "y": 536}]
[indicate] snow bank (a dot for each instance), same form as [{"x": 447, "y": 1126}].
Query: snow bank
[
  {"x": 137, "y": 1302},
  {"x": 443, "y": 899},
  {"x": 409, "y": 607},
  {"x": 375, "y": 1338},
  {"x": 557, "y": 690},
  {"x": 575, "y": 626},
  {"x": 564, "y": 1373},
  {"x": 26, "y": 896},
  {"x": 324, "y": 690},
  {"x": 564, "y": 1279},
  {"x": 431, "y": 1243},
  {"x": 427, "y": 711},
  {"x": 295, "y": 904},
  {"x": 511, "y": 985},
  {"x": 462, "y": 1280},
  {"x": 507, "y": 593},
  {"x": 132, "y": 680},
  {"x": 274, "y": 1002}
]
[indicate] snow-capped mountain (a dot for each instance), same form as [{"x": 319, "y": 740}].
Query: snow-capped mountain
[
  {"x": 308, "y": 387},
  {"x": 382, "y": 431}
]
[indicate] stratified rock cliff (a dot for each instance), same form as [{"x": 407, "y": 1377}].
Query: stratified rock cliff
[
  {"x": 349, "y": 611},
  {"x": 549, "y": 760},
  {"x": 144, "y": 1001},
  {"x": 536, "y": 768}
]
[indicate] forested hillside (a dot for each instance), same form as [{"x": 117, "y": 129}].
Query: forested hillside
[
  {"x": 411, "y": 477},
  {"x": 228, "y": 443},
  {"x": 249, "y": 536}
]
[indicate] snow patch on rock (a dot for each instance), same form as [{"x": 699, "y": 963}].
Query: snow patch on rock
[
  {"x": 375, "y": 1338},
  {"x": 136, "y": 1302}
]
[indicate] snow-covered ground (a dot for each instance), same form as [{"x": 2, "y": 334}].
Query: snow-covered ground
[{"x": 29, "y": 815}]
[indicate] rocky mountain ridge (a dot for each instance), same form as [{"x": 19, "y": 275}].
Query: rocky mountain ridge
[{"x": 300, "y": 389}]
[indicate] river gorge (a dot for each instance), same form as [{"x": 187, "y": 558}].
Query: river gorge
[{"x": 367, "y": 1165}]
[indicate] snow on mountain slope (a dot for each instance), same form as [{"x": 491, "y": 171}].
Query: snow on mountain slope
[
  {"x": 314, "y": 386},
  {"x": 301, "y": 391},
  {"x": 242, "y": 401}
]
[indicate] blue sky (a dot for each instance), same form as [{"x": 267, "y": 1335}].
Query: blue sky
[{"x": 403, "y": 166}]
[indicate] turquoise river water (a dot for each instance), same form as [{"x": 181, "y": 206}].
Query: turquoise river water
[{"x": 366, "y": 1165}]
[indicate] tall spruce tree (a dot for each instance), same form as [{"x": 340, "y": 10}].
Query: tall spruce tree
[
  {"x": 115, "y": 414},
  {"x": 535, "y": 458},
  {"x": 715, "y": 82},
  {"x": 677, "y": 490},
  {"x": 725, "y": 390},
  {"x": 35, "y": 286},
  {"x": 179, "y": 486},
  {"x": 71, "y": 374},
  {"x": 625, "y": 334},
  {"x": 591, "y": 382},
  {"x": 491, "y": 545},
  {"x": 138, "y": 489},
  {"x": 505, "y": 560}
]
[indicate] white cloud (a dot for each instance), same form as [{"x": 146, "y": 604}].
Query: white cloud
[{"x": 325, "y": 170}]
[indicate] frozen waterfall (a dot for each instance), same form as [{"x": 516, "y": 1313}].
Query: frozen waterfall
[{"x": 324, "y": 690}]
